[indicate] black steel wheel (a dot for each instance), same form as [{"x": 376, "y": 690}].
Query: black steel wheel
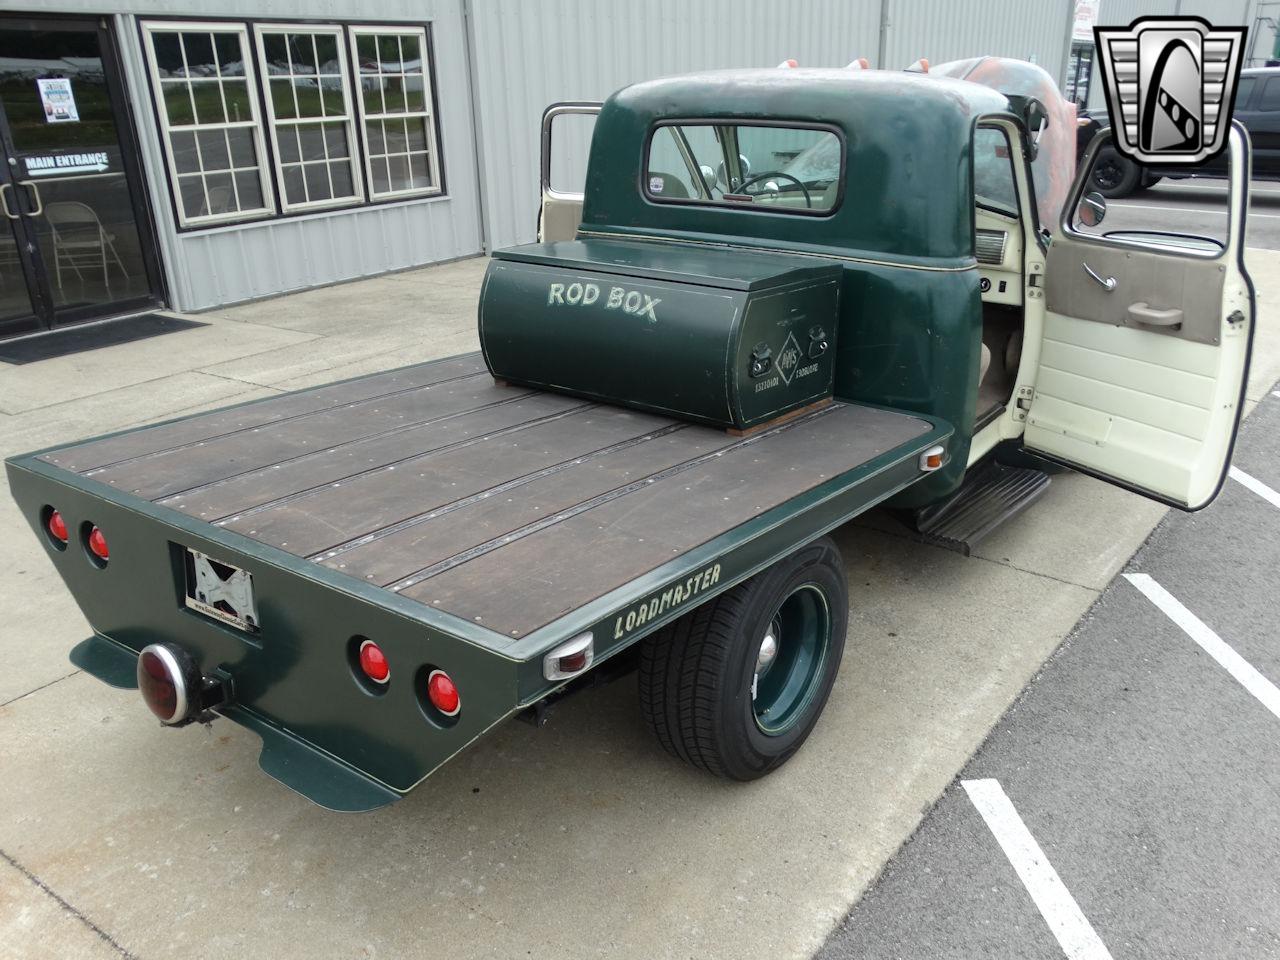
[
  {"x": 1114, "y": 176},
  {"x": 737, "y": 685}
]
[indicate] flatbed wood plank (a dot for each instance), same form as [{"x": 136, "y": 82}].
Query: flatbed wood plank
[
  {"x": 149, "y": 440},
  {"x": 345, "y": 511},
  {"x": 225, "y": 498},
  {"x": 164, "y": 473},
  {"x": 530, "y": 581},
  {"x": 416, "y": 547}
]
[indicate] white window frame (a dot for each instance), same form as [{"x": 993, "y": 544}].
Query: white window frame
[
  {"x": 428, "y": 113},
  {"x": 354, "y": 144},
  {"x": 149, "y": 29}
]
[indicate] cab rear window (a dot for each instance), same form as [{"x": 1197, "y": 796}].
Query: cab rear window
[{"x": 774, "y": 168}]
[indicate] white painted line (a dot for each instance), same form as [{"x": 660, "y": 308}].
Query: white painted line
[
  {"x": 1257, "y": 486},
  {"x": 1249, "y": 678},
  {"x": 1128, "y": 205},
  {"x": 1066, "y": 921}
]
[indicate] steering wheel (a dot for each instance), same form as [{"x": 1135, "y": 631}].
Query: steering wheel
[{"x": 770, "y": 174}]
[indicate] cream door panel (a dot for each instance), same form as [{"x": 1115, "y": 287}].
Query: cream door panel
[{"x": 1125, "y": 397}]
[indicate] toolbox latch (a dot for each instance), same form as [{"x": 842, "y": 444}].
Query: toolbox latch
[{"x": 761, "y": 360}]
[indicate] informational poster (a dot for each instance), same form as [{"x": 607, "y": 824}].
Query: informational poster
[
  {"x": 1086, "y": 18},
  {"x": 58, "y": 101}
]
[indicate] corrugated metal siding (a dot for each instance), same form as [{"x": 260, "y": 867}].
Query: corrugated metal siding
[
  {"x": 231, "y": 263},
  {"x": 532, "y": 54},
  {"x": 945, "y": 30}
]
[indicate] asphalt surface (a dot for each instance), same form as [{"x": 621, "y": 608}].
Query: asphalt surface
[
  {"x": 1147, "y": 773},
  {"x": 1197, "y": 206}
]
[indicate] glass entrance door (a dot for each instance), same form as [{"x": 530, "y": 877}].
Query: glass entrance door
[{"x": 72, "y": 248}]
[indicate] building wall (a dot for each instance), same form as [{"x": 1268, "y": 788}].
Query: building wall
[
  {"x": 531, "y": 54},
  {"x": 234, "y": 262}
]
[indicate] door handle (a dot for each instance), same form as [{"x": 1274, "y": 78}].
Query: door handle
[
  {"x": 1151, "y": 316},
  {"x": 35, "y": 196},
  {"x": 4, "y": 200},
  {"x": 1108, "y": 283}
]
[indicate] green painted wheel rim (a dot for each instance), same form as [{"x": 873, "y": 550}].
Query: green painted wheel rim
[{"x": 783, "y": 688}]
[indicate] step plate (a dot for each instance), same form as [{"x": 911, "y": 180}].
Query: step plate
[{"x": 984, "y": 501}]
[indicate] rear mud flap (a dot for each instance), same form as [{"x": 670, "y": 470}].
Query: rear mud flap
[{"x": 105, "y": 659}]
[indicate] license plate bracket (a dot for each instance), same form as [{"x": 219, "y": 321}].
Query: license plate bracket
[{"x": 220, "y": 590}]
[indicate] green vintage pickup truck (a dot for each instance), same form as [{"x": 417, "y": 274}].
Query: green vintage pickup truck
[{"x": 785, "y": 297}]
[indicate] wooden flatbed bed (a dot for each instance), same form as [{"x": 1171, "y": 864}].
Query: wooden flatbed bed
[{"x": 500, "y": 505}]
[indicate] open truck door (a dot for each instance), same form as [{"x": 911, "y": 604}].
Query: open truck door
[
  {"x": 564, "y": 168},
  {"x": 1146, "y": 346}
]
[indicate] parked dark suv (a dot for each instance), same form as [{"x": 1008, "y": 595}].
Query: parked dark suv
[{"x": 1257, "y": 107}]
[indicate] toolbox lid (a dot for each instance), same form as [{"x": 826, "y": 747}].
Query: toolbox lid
[{"x": 709, "y": 266}]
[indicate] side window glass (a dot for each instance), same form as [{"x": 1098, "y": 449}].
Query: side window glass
[
  {"x": 993, "y": 183},
  {"x": 1244, "y": 90},
  {"x": 1270, "y": 95}
]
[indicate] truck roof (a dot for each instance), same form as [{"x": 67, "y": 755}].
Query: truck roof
[{"x": 908, "y": 194}]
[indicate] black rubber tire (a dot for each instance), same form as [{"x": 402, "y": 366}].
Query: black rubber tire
[
  {"x": 1114, "y": 176},
  {"x": 696, "y": 673}
]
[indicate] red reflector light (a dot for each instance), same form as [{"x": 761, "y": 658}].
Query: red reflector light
[
  {"x": 574, "y": 662},
  {"x": 98, "y": 544},
  {"x": 374, "y": 662},
  {"x": 162, "y": 684},
  {"x": 443, "y": 694},
  {"x": 57, "y": 527}
]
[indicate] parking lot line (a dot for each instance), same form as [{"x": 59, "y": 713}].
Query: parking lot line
[
  {"x": 1066, "y": 920},
  {"x": 1266, "y": 692},
  {"x": 1257, "y": 486}
]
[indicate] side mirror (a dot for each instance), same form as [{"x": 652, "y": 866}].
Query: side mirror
[{"x": 1092, "y": 209}]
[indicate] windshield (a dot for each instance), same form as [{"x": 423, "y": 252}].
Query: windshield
[{"x": 786, "y": 169}]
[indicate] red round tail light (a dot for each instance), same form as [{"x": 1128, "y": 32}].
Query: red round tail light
[
  {"x": 98, "y": 544},
  {"x": 374, "y": 662},
  {"x": 57, "y": 527},
  {"x": 443, "y": 694},
  {"x": 169, "y": 681}
]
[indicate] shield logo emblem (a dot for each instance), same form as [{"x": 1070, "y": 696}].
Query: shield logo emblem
[{"x": 1171, "y": 86}]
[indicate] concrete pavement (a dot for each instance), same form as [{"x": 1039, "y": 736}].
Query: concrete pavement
[{"x": 578, "y": 840}]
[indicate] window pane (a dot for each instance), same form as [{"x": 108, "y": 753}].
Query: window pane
[
  {"x": 199, "y": 50},
  {"x": 375, "y": 137},
  {"x": 288, "y": 138},
  {"x": 1244, "y": 90},
  {"x": 367, "y": 53},
  {"x": 293, "y": 189},
  {"x": 327, "y": 53},
  {"x": 399, "y": 172},
  {"x": 208, "y": 97},
  {"x": 389, "y": 53},
  {"x": 282, "y": 99},
  {"x": 177, "y": 102},
  {"x": 191, "y": 190},
  {"x": 311, "y": 139},
  {"x": 168, "y": 54},
  {"x": 415, "y": 93},
  {"x": 331, "y": 95},
  {"x": 184, "y": 152},
  {"x": 380, "y": 182},
  {"x": 393, "y": 95},
  {"x": 222, "y": 195},
  {"x": 230, "y": 55},
  {"x": 1270, "y": 95},
  {"x": 419, "y": 171},
  {"x": 317, "y": 176},
  {"x": 335, "y": 135},
  {"x": 308, "y": 97},
  {"x": 993, "y": 183},
  {"x": 274, "y": 48},
  {"x": 236, "y": 95},
  {"x": 416, "y": 136},
  {"x": 250, "y": 188},
  {"x": 342, "y": 184},
  {"x": 372, "y": 96},
  {"x": 304, "y": 58},
  {"x": 411, "y": 52},
  {"x": 242, "y": 154},
  {"x": 213, "y": 150}
]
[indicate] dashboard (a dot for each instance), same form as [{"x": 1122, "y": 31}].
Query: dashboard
[{"x": 999, "y": 252}]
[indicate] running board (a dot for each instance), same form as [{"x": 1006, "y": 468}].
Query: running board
[{"x": 985, "y": 500}]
